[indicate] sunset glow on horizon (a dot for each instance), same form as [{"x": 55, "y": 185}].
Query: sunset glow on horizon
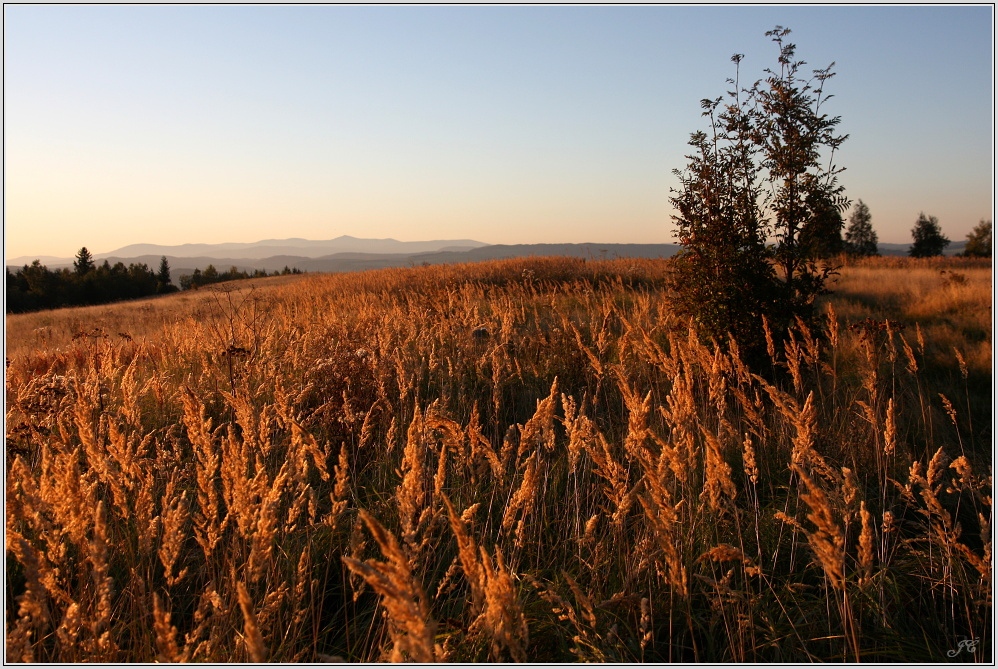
[{"x": 507, "y": 125}]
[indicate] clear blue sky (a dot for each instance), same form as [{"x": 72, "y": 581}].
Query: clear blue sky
[{"x": 504, "y": 124}]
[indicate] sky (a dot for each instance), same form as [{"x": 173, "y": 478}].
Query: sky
[{"x": 208, "y": 124}]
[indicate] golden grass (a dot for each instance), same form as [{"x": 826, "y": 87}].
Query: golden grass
[
  {"x": 949, "y": 299},
  {"x": 196, "y": 477}
]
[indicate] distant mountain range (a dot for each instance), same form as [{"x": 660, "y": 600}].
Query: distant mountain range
[
  {"x": 343, "y": 254},
  {"x": 350, "y": 254},
  {"x": 303, "y": 248}
]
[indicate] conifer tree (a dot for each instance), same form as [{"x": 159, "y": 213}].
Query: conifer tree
[
  {"x": 84, "y": 262},
  {"x": 163, "y": 276},
  {"x": 861, "y": 239},
  {"x": 163, "y": 282}
]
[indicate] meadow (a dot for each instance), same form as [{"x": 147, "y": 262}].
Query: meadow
[{"x": 520, "y": 460}]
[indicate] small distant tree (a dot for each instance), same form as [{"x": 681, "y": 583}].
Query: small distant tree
[
  {"x": 927, "y": 236},
  {"x": 861, "y": 239},
  {"x": 163, "y": 275},
  {"x": 163, "y": 282},
  {"x": 84, "y": 262},
  {"x": 979, "y": 241},
  {"x": 190, "y": 281},
  {"x": 41, "y": 283}
]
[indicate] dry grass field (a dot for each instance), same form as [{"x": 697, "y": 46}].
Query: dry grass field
[{"x": 517, "y": 460}]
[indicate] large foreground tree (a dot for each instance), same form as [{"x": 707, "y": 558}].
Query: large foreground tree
[{"x": 759, "y": 204}]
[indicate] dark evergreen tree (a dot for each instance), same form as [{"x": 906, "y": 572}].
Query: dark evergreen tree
[
  {"x": 861, "y": 239},
  {"x": 928, "y": 239},
  {"x": 163, "y": 276},
  {"x": 979, "y": 241},
  {"x": 163, "y": 283},
  {"x": 40, "y": 282},
  {"x": 84, "y": 262}
]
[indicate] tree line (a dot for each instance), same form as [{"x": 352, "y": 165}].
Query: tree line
[
  {"x": 927, "y": 237},
  {"x": 211, "y": 275},
  {"x": 35, "y": 287}
]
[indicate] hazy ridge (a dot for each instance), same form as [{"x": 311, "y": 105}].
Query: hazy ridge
[
  {"x": 266, "y": 248},
  {"x": 349, "y": 254}
]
